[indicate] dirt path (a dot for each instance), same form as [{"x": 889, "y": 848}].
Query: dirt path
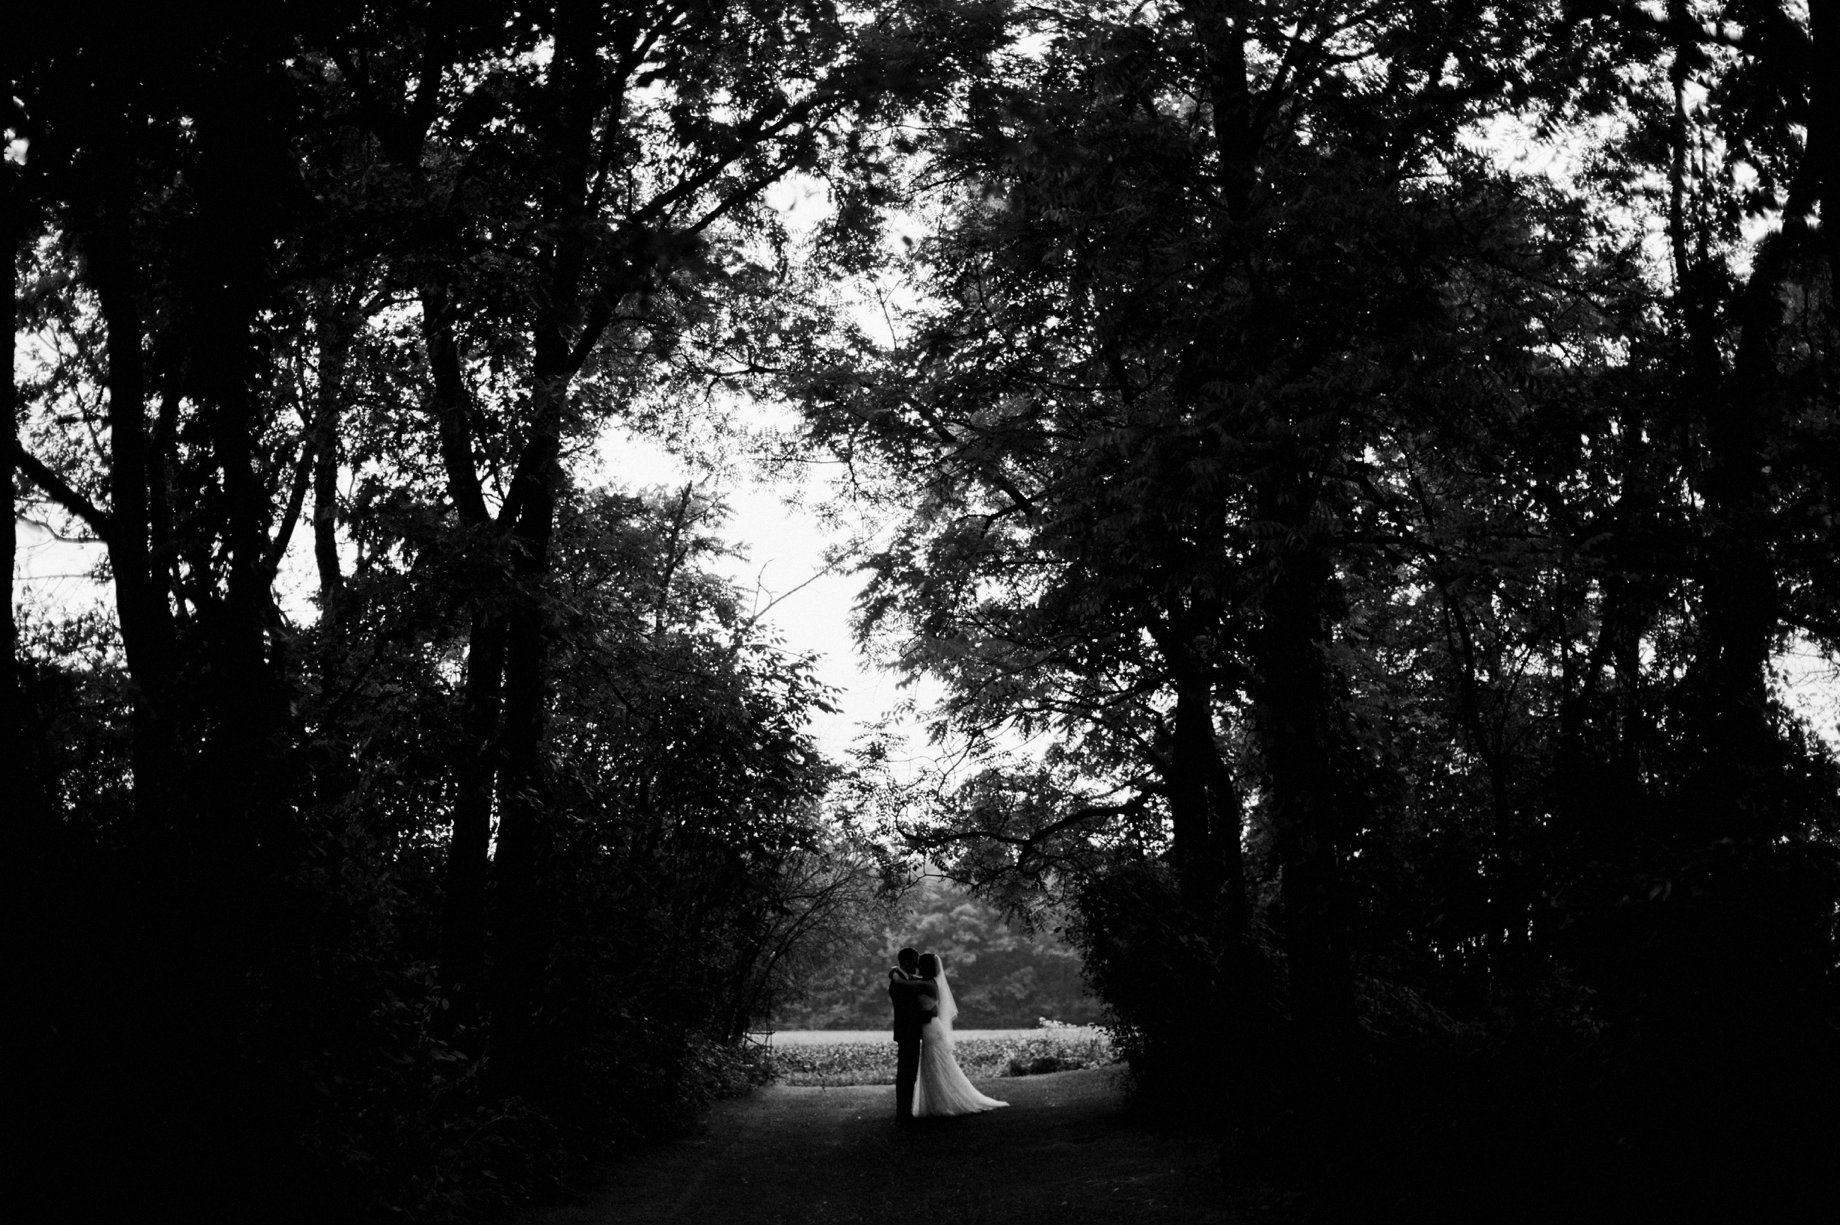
[{"x": 1064, "y": 1153}]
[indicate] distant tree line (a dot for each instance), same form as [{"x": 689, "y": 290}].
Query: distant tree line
[{"x": 1003, "y": 976}]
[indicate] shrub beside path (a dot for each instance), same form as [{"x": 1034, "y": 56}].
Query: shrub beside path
[{"x": 1066, "y": 1152}]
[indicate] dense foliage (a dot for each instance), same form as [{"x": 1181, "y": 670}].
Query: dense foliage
[
  {"x": 1360, "y": 470},
  {"x": 402, "y": 884},
  {"x": 1357, "y": 473}
]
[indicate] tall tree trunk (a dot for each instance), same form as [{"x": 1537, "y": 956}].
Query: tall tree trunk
[
  {"x": 142, "y": 610},
  {"x": 31, "y": 817},
  {"x": 1305, "y": 754},
  {"x": 521, "y": 865},
  {"x": 465, "y": 923},
  {"x": 1726, "y": 698},
  {"x": 464, "y": 928},
  {"x": 334, "y": 324},
  {"x": 561, "y": 339},
  {"x": 1198, "y": 868},
  {"x": 249, "y": 832},
  {"x": 1205, "y": 810}
]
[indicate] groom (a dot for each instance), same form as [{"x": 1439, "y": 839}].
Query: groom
[{"x": 910, "y": 1013}]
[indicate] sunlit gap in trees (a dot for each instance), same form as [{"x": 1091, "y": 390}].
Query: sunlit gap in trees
[
  {"x": 797, "y": 521},
  {"x": 795, "y": 536}
]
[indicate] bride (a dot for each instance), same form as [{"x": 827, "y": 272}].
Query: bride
[{"x": 943, "y": 1087}]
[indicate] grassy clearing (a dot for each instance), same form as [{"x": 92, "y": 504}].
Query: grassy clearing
[{"x": 837, "y": 1058}]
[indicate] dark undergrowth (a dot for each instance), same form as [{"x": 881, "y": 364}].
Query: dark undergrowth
[
  {"x": 1507, "y": 1130},
  {"x": 120, "y": 1137}
]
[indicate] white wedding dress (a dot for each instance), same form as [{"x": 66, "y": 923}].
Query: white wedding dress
[{"x": 943, "y": 1087}]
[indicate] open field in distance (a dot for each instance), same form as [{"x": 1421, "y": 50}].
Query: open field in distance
[
  {"x": 867, "y": 1056},
  {"x": 837, "y": 1037}
]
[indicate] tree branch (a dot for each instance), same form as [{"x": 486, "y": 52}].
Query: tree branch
[{"x": 61, "y": 492}]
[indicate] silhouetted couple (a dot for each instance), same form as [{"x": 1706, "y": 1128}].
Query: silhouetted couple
[{"x": 927, "y": 1078}]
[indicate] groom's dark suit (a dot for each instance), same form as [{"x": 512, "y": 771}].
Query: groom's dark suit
[{"x": 910, "y": 1013}]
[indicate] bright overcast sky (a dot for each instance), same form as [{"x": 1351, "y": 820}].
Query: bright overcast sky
[{"x": 782, "y": 562}]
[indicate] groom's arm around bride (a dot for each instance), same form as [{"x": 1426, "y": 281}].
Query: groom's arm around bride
[{"x": 911, "y": 1011}]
